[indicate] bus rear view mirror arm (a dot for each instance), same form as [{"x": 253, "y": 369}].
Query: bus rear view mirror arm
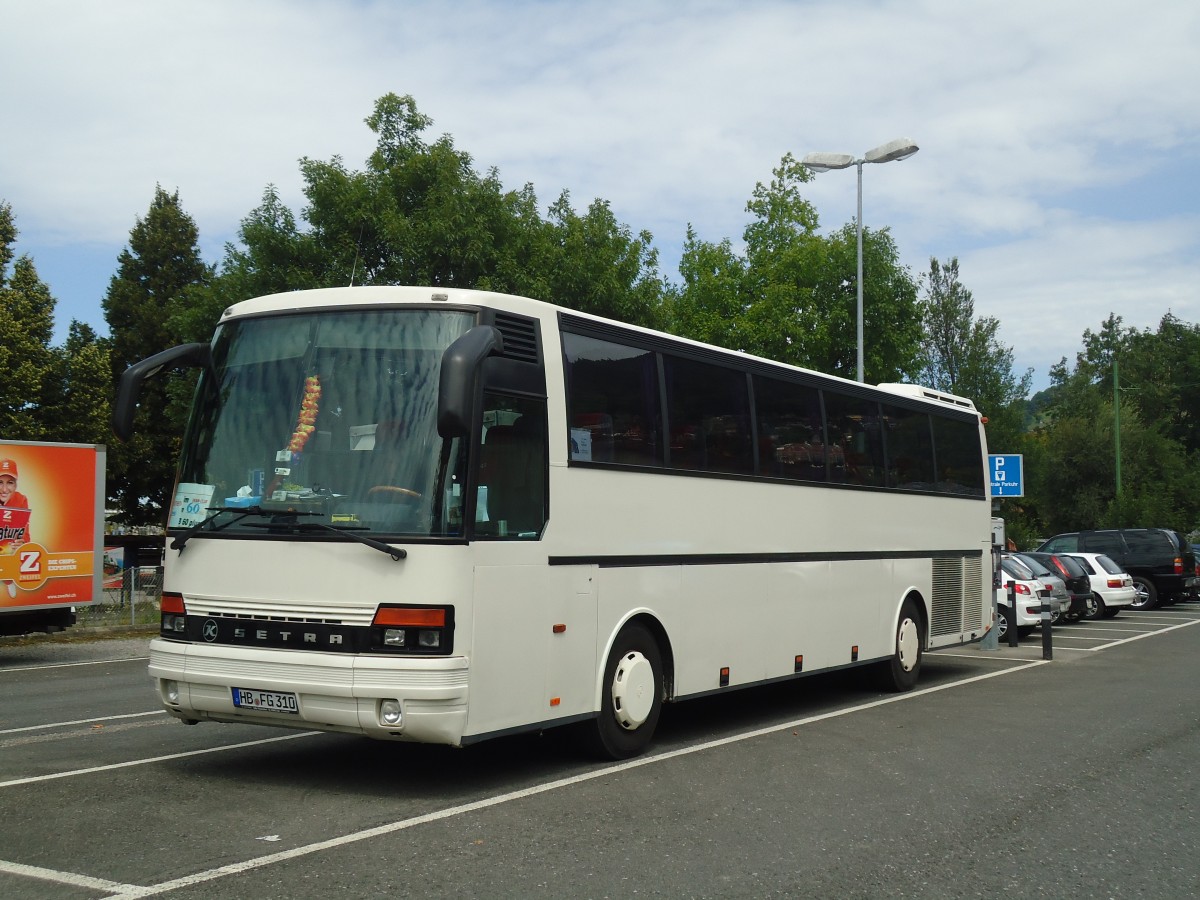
[
  {"x": 185, "y": 356},
  {"x": 456, "y": 387}
]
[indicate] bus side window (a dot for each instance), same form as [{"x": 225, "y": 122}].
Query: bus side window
[{"x": 512, "y": 472}]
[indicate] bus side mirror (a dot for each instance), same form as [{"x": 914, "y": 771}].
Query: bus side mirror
[
  {"x": 129, "y": 389},
  {"x": 456, "y": 389}
]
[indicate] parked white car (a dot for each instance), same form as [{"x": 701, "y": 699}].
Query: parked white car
[
  {"x": 1028, "y": 592},
  {"x": 1111, "y": 585}
]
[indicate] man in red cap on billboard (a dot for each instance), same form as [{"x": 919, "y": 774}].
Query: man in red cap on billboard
[{"x": 14, "y": 514}]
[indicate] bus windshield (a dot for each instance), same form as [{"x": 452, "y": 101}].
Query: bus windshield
[{"x": 326, "y": 419}]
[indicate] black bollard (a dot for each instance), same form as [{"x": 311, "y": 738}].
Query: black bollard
[
  {"x": 1012, "y": 614},
  {"x": 1047, "y": 643}
]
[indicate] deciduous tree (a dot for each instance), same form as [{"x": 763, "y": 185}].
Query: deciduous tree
[{"x": 419, "y": 213}]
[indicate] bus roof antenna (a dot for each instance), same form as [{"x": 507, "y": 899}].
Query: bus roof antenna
[{"x": 357, "y": 246}]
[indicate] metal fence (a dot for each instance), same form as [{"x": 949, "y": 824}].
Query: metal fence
[{"x": 134, "y": 602}]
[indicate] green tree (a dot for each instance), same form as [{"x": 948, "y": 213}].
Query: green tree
[
  {"x": 77, "y": 401},
  {"x": 273, "y": 256},
  {"x": 419, "y": 213},
  {"x": 792, "y": 296},
  {"x": 1160, "y": 376},
  {"x": 962, "y": 354},
  {"x": 1076, "y": 485},
  {"x": 598, "y": 265},
  {"x": 153, "y": 276},
  {"x": 780, "y": 319},
  {"x": 712, "y": 301},
  {"x": 891, "y": 317},
  {"x": 27, "y": 310},
  {"x": 8, "y": 237}
]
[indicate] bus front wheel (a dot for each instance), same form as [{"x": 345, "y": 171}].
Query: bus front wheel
[
  {"x": 901, "y": 671},
  {"x": 631, "y": 696}
]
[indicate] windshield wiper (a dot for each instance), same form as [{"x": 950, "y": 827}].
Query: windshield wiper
[
  {"x": 182, "y": 539},
  {"x": 395, "y": 553}
]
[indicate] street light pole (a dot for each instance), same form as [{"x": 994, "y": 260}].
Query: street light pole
[
  {"x": 858, "y": 281},
  {"x": 901, "y": 148}
]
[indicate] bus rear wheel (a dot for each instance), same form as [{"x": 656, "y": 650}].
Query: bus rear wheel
[
  {"x": 900, "y": 673},
  {"x": 631, "y": 696}
]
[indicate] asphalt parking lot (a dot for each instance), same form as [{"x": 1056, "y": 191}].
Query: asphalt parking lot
[{"x": 1000, "y": 774}]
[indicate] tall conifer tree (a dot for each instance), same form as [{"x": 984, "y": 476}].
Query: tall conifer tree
[{"x": 161, "y": 262}]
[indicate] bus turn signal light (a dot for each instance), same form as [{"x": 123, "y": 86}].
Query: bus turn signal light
[
  {"x": 410, "y": 617},
  {"x": 173, "y": 603}
]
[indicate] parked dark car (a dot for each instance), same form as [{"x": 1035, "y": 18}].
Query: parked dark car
[
  {"x": 1161, "y": 561},
  {"x": 1077, "y": 580}
]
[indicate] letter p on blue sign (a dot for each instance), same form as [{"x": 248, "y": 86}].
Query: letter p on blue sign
[{"x": 1007, "y": 474}]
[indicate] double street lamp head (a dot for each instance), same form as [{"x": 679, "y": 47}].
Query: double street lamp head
[
  {"x": 900, "y": 148},
  {"x": 824, "y": 162}
]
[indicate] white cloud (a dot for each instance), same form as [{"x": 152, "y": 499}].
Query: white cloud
[{"x": 1032, "y": 118}]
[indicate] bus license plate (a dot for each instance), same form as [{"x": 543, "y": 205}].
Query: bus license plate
[{"x": 266, "y": 701}]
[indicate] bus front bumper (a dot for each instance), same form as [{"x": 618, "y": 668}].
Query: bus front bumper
[{"x": 347, "y": 693}]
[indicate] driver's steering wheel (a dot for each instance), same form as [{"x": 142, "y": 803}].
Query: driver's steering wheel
[{"x": 393, "y": 492}]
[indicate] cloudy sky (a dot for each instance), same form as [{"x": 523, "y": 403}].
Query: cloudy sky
[{"x": 1060, "y": 141}]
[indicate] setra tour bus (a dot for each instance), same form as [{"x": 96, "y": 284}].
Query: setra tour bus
[{"x": 444, "y": 515}]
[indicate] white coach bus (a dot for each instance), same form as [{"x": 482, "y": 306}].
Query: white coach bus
[{"x": 445, "y": 515}]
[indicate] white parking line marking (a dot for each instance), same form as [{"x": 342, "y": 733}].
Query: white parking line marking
[
  {"x": 91, "y": 662},
  {"x": 71, "y": 878},
  {"x": 487, "y": 803},
  {"x": 34, "y": 779},
  {"x": 154, "y": 712},
  {"x": 1153, "y": 633}
]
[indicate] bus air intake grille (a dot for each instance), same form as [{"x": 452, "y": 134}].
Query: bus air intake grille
[
  {"x": 972, "y": 609},
  {"x": 947, "y": 613},
  {"x": 520, "y": 337}
]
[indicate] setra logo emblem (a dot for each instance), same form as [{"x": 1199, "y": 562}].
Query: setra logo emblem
[{"x": 210, "y": 630}]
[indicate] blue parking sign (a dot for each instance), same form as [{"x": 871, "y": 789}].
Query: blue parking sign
[{"x": 1007, "y": 474}]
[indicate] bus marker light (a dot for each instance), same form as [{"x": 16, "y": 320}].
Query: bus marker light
[
  {"x": 854, "y": 653},
  {"x": 554, "y": 701},
  {"x": 559, "y": 629},
  {"x": 800, "y": 663},
  {"x": 725, "y": 676}
]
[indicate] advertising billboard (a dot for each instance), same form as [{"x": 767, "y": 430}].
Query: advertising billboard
[{"x": 51, "y": 524}]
